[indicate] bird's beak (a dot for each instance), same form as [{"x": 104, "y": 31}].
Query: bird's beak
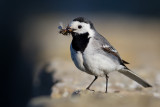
[{"x": 69, "y": 29}]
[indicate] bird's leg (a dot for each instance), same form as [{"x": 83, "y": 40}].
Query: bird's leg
[
  {"x": 106, "y": 83},
  {"x": 88, "y": 88}
]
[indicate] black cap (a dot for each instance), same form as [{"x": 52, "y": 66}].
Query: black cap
[{"x": 82, "y": 19}]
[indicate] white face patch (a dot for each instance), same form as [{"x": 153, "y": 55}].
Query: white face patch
[{"x": 81, "y": 27}]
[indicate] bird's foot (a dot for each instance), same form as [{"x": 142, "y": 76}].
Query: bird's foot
[{"x": 90, "y": 89}]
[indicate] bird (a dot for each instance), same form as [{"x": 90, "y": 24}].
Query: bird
[{"x": 94, "y": 55}]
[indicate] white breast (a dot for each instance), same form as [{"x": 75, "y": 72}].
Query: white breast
[
  {"x": 77, "y": 58},
  {"x": 99, "y": 64}
]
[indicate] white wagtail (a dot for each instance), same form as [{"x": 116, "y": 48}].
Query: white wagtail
[{"x": 93, "y": 54}]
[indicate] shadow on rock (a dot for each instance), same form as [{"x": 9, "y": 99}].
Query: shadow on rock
[{"x": 44, "y": 81}]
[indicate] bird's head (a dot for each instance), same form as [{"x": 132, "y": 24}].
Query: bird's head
[{"x": 82, "y": 25}]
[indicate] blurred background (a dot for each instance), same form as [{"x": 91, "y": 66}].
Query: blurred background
[{"x": 36, "y": 58}]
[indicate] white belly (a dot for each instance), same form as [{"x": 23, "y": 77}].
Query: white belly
[
  {"x": 99, "y": 64},
  {"x": 77, "y": 58}
]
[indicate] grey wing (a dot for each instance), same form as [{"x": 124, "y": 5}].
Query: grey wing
[
  {"x": 107, "y": 47},
  {"x": 104, "y": 42}
]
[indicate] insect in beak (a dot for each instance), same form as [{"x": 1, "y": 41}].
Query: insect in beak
[
  {"x": 69, "y": 29},
  {"x": 65, "y": 31}
]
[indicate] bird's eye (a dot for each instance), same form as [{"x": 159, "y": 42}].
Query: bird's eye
[{"x": 79, "y": 26}]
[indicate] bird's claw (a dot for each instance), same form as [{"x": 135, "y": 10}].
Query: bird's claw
[{"x": 90, "y": 89}]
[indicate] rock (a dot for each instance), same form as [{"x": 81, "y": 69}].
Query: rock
[{"x": 97, "y": 99}]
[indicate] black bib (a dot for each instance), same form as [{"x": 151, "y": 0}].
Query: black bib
[{"x": 80, "y": 41}]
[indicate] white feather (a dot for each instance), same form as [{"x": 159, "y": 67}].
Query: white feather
[
  {"x": 77, "y": 58},
  {"x": 111, "y": 49},
  {"x": 61, "y": 24}
]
